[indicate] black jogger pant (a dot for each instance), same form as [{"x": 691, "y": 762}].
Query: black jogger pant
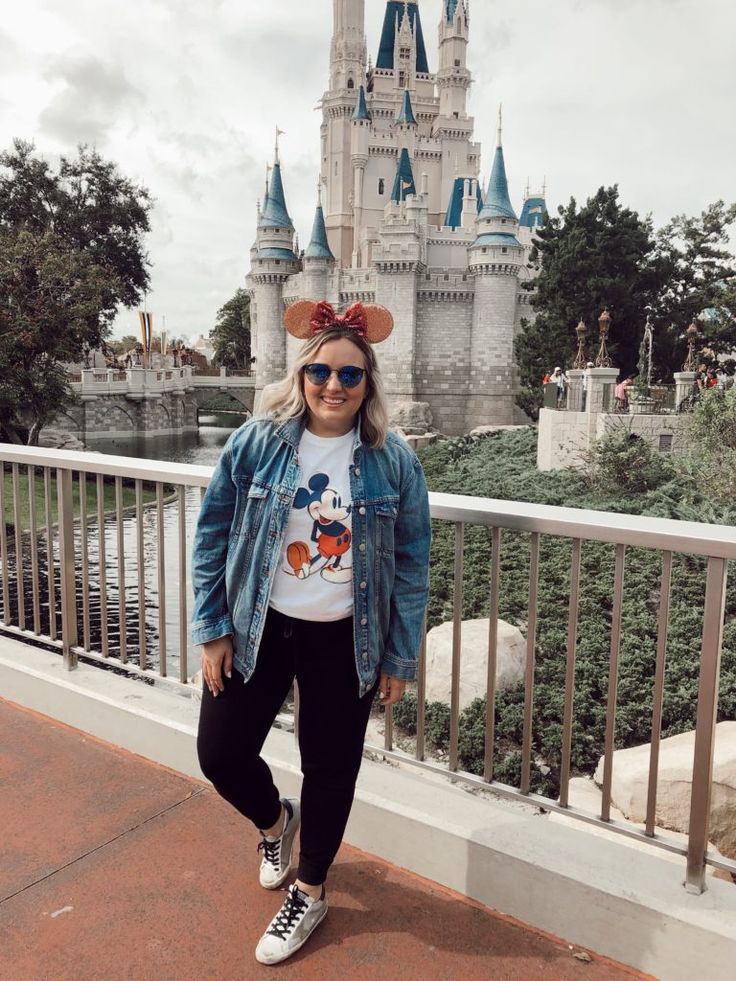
[{"x": 332, "y": 724}]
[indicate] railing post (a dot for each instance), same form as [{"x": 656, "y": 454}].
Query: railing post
[
  {"x": 705, "y": 727},
  {"x": 69, "y": 636}
]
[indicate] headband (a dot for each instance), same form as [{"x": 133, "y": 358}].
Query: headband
[{"x": 305, "y": 318}]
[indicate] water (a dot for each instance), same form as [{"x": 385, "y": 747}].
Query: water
[{"x": 201, "y": 448}]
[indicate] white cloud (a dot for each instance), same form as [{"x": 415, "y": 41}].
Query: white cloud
[{"x": 185, "y": 97}]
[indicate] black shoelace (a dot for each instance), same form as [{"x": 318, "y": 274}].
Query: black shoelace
[
  {"x": 271, "y": 850},
  {"x": 288, "y": 916}
]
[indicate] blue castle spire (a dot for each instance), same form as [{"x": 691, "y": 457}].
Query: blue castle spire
[
  {"x": 275, "y": 213},
  {"x": 319, "y": 247},
  {"x": 361, "y": 109},
  {"x": 394, "y": 12},
  {"x": 498, "y": 203},
  {"x": 406, "y": 113},
  {"x": 404, "y": 180},
  {"x": 451, "y": 6}
]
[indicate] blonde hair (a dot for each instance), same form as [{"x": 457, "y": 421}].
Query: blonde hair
[{"x": 285, "y": 399}]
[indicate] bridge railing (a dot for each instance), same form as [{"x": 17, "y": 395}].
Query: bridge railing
[{"x": 95, "y": 555}]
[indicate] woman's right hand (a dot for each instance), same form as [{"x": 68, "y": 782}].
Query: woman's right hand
[{"x": 217, "y": 659}]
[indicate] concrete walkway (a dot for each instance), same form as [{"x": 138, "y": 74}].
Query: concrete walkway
[{"x": 114, "y": 868}]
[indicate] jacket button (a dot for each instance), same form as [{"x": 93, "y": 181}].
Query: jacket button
[
  {"x": 363, "y": 622},
  {"x": 362, "y": 546},
  {"x": 363, "y": 585},
  {"x": 361, "y": 510},
  {"x": 357, "y": 471},
  {"x": 365, "y": 655}
]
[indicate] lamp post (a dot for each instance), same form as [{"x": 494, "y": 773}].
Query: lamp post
[
  {"x": 582, "y": 331},
  {"x": 692, "y": 335},
  {"x": 604, "y": 325}
]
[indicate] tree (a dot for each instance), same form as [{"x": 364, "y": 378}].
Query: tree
[
  {"x": 72, "y": 253},
  {"x": 599, "y": 256},
  {"x": 51, "y": 294},
  {"x": 700, "y": 287},
  {"x": 231, "y": 333}
]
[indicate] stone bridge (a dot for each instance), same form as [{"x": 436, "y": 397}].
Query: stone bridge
[{"x": 149, "y": 401}]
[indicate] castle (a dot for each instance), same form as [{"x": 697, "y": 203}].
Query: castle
[{"x": 402, "y": 220}]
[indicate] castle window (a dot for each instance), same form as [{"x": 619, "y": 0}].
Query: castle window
[
  {"x": 351, "y": 83},
  {"x": 457, "y": 63},
  {"x": 456, "y": 115},
  {"x": 504, "y": 249},
  {"x": 381, "y": 186},
  {"x": 405, "y": 53},
  {"x": 336, "y": 168},
  {"x": 402, "y": 80}
]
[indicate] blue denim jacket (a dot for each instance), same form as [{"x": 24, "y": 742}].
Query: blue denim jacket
[{"x": 240, "y": 532}]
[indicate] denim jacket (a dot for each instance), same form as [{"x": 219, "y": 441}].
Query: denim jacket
[{"x": 240, "y": 533}]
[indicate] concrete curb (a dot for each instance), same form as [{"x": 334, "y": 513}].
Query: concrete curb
[{"x": 598, "y": 894}]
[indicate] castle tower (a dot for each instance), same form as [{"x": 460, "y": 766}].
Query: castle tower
[
  {"x": 399, "y": 260},
  {"x": 453, "y": 77},
  {"x": 348, "y": 63},
  {"x": 495, "y": 260},
  {"x": 348, "y": 53},
  {"x": 359, "y": 144},
  {"x": 272, "y": 261},
  {"x": 318, "y": 260}
]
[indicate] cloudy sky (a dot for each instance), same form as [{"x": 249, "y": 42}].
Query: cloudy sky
[{"x": 185, "y": 97}]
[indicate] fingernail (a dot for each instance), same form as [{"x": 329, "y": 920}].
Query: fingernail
[{"x": 228, "y": 674}]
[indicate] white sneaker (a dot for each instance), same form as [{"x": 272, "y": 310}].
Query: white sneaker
[
  {"x": 291, "y": 927},
  {"x": 276, "y": 860}
]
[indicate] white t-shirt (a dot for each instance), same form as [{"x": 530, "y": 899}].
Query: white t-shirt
[{"x": 314, "y": 580}]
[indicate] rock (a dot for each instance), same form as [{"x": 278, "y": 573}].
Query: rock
[
  {"x": 584, "y": 795},
  {"x": 55, "y": 439},
  {"x": 511, "y": 660},
  {"x": 415, "y": 418},
  {"x": 631, "y": 772}
]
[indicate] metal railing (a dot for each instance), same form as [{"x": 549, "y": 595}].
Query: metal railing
[{"x": 106, "y": 578}]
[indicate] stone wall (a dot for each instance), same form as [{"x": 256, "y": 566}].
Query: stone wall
[
  {"x": 444, "y": 323},
  {"x": 118, "y": 416},
  {"x": 565, "y": 437}
]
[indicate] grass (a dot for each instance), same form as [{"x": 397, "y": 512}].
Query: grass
[{"x": 109, "y": 501}]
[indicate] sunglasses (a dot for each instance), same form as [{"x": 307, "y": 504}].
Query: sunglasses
[{"x": 349, "y": 376}]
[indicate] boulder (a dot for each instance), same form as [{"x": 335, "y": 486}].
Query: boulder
[
  {"x": 631, "y": 773},
  {"x": 510, "y": 663},
  {"x": 415, "y": 418},
  {"x": 56, "y": 439}
]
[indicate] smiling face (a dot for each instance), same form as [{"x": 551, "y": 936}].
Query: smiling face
[{"x": 333, "y": 409}]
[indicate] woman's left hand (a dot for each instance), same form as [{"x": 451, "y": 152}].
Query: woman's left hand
[{"x": 390, "y": 690}]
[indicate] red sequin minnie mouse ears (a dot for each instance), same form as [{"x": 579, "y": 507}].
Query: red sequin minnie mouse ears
[{"x": 305, "y": 318}]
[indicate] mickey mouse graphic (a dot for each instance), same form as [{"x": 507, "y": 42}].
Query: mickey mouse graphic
[{"x": 331, "y": 537}]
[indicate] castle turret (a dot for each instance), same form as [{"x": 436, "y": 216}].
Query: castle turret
[
  {"x": 349, "y": 53},
  {"x": 453, "y": 77},
  {"x": 348, "y": 64},
  {"x": 361, "y": 132},
  {"x": 318, "y": 260},
  {"x": 495, "y": 259},
  {"x": 272, "y": 261},
  {"x": 404, "y": 180}
]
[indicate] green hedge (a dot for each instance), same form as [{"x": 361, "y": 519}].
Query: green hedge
[{"x": 503, "y": 466}]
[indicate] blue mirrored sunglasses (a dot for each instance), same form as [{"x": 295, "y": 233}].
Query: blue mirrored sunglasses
[{"x": 349, "y": 376}]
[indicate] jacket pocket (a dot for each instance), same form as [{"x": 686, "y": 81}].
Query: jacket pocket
[
  {"x": 386, "y": 513},
  {"x": 249, "y": 507}
]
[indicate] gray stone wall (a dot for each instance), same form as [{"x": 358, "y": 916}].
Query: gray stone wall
[
  {"x": 397, "y": 290},
  {"x": 492, "y": 378},
  {"x": 444, "y": 324},
  {"x": 115, "y": 415}
]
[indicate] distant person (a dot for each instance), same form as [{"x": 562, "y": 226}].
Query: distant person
[
  {"x": 711, "y": 378},
  {"x": 585, "y": 385},
  {"x": 559, "y": 378},
  {"x": 621, "y": 393},
  {"x": 701, "y": 378}
]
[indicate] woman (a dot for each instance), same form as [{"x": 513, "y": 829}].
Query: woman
[{"x": 310, "y": 561}]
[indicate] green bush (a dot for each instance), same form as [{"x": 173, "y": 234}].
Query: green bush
[{"x": 503, "y": 466}]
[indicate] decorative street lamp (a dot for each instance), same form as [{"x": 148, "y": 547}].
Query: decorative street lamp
[
  {"x": 692, "y": 336},
  {"x": 582, "y": 331},
  {"x": 604, "y": 325}
]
